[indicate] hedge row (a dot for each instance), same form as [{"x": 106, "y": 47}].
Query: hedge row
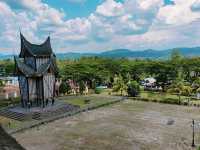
[{"x": 165, "y": 100}]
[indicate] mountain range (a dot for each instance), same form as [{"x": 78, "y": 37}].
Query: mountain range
[
  {"x": 132, "y": 54},
  {"x": 126, "y": 53}
]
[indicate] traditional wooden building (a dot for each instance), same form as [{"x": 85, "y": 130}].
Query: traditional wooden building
[{"x": 36, "y": 70}]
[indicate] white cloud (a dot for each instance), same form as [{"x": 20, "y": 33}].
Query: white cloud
[
  {"x": 31, "y": 17},
  {"x": 10, "y": 23},
  {"x": 180, "y": 13},
  {"x": 130, "y": 17},
  {"x": 110, "y": 8},
  {"x": 196, "y": 6},
  {"x": 134, "y": 24}
]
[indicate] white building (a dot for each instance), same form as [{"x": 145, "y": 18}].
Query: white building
[{"x": 149, "y": 82}]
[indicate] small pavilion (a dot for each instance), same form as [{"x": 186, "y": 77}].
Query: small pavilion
[{"x": 36, "y": 70}]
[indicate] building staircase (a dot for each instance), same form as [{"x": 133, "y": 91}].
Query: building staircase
[
  {"x": 38, "y": 115},
  {"x": 14, "y": 115}
]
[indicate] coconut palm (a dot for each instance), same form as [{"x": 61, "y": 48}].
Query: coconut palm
[
  {"x": 178, "y": 88},
  {"x": 119, "y": 84},
  {"x": 187, "y": 90}
]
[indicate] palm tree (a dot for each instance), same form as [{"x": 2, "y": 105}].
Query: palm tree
[
  {"x": 119, "y": 84},
  {"x": 178, "y": 85},
  {"x": 178, "y": 88},
  {"x": 187, "y": 91}
]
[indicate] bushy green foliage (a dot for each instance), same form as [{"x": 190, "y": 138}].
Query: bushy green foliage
[
  {"x": 102, "y": 71},
  {"x": 64, "y": 88},
  {"x": 97, "y": 91},
  {"x": 1, "y": 83},
  {"x": 7, "y": 67},
  {"x": 81, "y": 87},
  {"x": 119, "y": 84},
  {"x": 133, "y": 88}
]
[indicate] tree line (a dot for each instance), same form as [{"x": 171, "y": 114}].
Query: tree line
[{"x": 175, "y": 73}]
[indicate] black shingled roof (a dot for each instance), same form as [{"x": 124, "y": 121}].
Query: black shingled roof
[
  {"x": 43, "y": 49},
  {"x": 29, "y": 72}
]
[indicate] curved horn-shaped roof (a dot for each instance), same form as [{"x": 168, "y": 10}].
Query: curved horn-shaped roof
[
  {"x": 30, "y": 72},
  {"x": 28, "y": 48}
]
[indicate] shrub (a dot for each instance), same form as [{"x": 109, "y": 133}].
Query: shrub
[
  {"x": 82, "y": 87},
  {"x": 170, "y": 101},
  {"x": 133, "y": 89},
  {"x": 64, "y": 88},
  {"x": 86, "y": 101},
  {"x": 97, "y": 91}
]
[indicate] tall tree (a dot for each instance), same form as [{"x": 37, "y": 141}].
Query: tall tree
[
  {"x": 178, "y": 86},
  {"x": 119, "y": 84},
  {"x": 133, "y": 88}
]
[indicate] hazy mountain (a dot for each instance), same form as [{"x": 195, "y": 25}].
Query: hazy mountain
[
  {"x": 72, "y": 55},
  {"x": 126, "y": 53},
  {"x": 2, "y": 56}
]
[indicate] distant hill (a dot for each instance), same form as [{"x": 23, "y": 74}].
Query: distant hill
[
  {"x": 72, "y": 55},
  {"x": 126, "y": 53},
  {"x": 2, "y": 56},
  {"x": 131, "y": 54}
]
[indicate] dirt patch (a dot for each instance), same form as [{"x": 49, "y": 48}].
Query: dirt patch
[{"x": 129, "y": 125}]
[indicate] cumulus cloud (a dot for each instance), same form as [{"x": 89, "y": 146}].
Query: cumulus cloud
[
  {"x": 134, "y": 24},
  {"x": 196, "y": 6},
  {"x": 31, "y": 17},
  {"x": 129, "y": 18},
  {"x": 180, "y": 13},
  {"x": 10, "y": 23},
  {"x": 110, "y": 8}
]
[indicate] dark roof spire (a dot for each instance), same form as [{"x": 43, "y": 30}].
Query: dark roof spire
[
  {"x": 22, "y": 68},
  {"x": 35, "y": 50}
]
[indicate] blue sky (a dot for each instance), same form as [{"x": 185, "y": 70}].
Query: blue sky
[
  {"x": 100, "y": 25},
  {"x": 75, "y": 9}
]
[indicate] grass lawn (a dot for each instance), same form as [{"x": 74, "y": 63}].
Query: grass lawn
[
  {"x": 7, "y": 102},
  {"x": 9, "y": 123},
  {"x": 168, "y": 98},
  {"x": 159, "y": 95},
  {"x": 93, "y": 100},
  {"x": 162, "y": 97}
]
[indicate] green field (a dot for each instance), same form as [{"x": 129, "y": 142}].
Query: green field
[{"x": 90, "y": 100}]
